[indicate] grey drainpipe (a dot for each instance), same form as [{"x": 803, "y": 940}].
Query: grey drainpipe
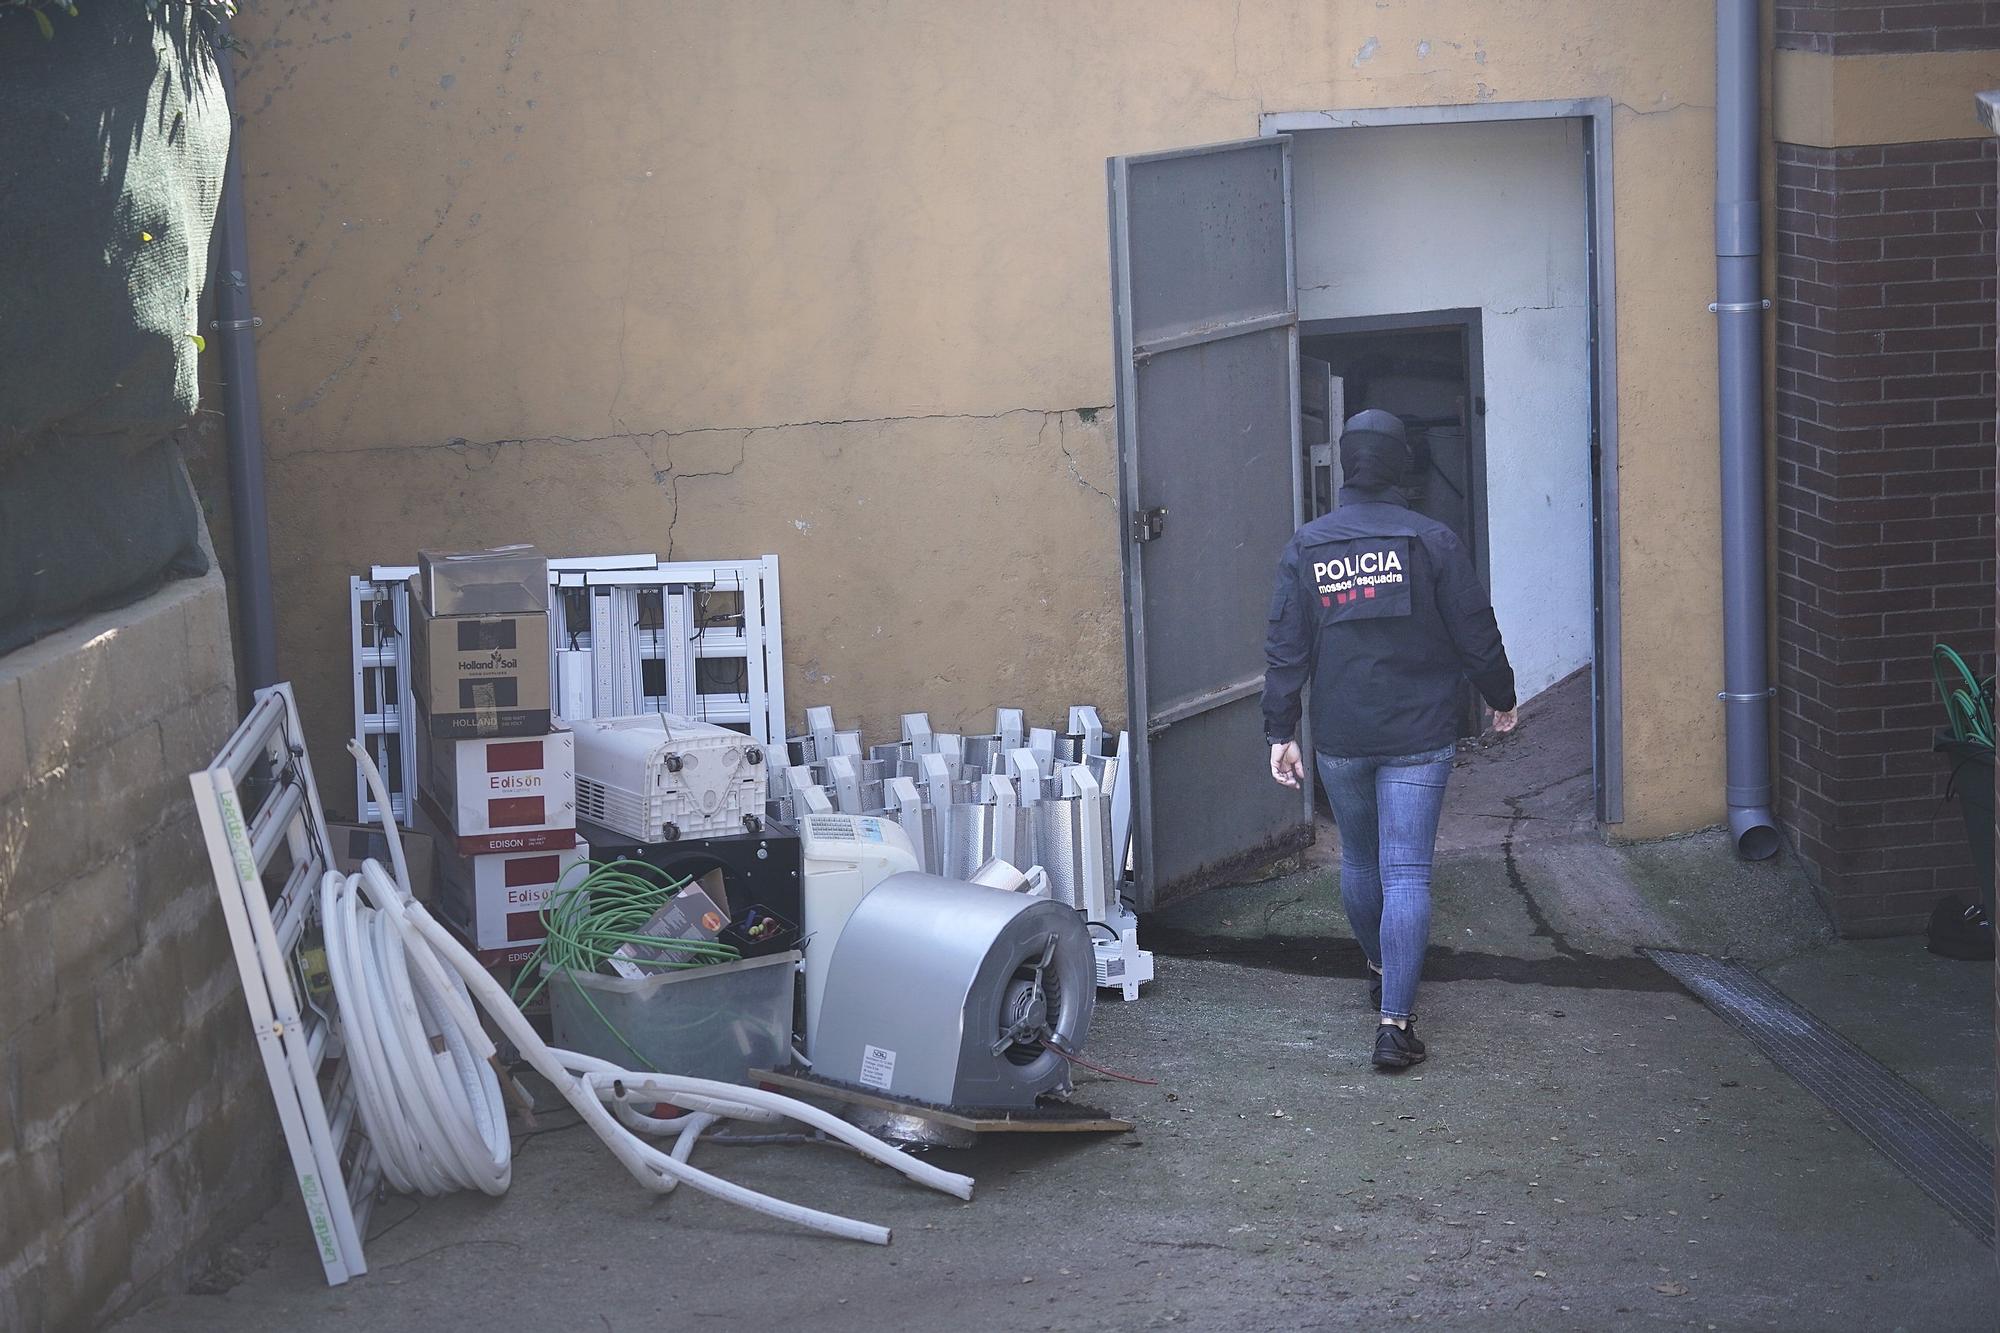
[
  {"x": 1739, "y": 313},
  {"x": 255, "y": 614}
]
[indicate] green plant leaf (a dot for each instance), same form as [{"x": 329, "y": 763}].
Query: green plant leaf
[
  {"x": 200, "y": 343},
  {"x": 42, "y": 22}
]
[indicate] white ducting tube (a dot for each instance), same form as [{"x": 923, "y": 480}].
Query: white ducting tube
[
  {"x": 404, "y": 985},
  {"x": 428, "y": 1096}
]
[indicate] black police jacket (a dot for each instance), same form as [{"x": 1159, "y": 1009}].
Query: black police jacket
[{"x": 1380, "y": 608}]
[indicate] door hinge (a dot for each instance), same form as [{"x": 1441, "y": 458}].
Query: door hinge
[{"x": 1149, "y": 525}]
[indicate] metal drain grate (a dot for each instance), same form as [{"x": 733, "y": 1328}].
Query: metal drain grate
[{"x": 1953, "y": 1166}]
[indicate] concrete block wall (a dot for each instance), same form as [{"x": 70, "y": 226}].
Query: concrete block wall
[{"x": 136, "y": 1128}]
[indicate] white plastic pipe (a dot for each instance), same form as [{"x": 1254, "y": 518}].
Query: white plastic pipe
[
  {"x": 427, "y": 1095},
  {"x": 650, "y": 1167},
  {"x": 404, "y": 983}
]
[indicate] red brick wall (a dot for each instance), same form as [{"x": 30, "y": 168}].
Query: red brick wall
[
  {"x": 1885, "y": 394},
  {"x": 1852, "y": 27}
]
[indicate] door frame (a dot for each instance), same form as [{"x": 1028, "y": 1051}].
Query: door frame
[
  {"x": 1594, "y": 114},
  {"x": 1467, "y": 321}
]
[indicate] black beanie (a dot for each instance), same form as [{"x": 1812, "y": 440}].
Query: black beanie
[{"x": 1374, "y": 450}]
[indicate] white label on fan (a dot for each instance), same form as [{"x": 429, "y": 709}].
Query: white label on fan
[
  {"x": 1114, "y": 968},
  {"x": 877, "y": 1067}
]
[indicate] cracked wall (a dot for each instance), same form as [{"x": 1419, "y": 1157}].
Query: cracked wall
[
  {"x": 830, "y": 281},
  {"x": 990, "y": 580}
]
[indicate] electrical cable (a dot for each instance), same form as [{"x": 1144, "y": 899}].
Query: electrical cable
[
  {"x": 590, "y": 919},
  {"x": 416, "y": 1206},
  {"x": 1076, "y": 1059},
  {"x": 594, "y": 918},
  {"x": 760, "y": 1140},
  {"x": 405, "y": 990}
]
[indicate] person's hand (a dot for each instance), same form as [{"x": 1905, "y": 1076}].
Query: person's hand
[
  {"x": 1507, "y": 721},
  {"x": 1286, "y": 766}
]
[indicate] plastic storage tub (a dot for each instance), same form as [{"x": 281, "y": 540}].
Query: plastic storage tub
[{"x": 707, "y": 1022}]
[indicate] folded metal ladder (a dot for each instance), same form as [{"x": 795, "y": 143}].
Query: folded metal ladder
[{"x": 261, "y": 817}]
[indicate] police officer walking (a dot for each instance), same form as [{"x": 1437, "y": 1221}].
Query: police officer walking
[{"x": 1379, "y": 607}]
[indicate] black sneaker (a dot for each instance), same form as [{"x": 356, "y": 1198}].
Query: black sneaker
[{"x": 1397, "y": 1048}]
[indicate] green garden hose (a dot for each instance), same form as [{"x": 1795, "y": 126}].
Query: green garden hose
[{"x": 1968, "y": 701}]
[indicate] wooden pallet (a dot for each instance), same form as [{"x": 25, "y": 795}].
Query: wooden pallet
[{"x": 1043, "y": 1120}]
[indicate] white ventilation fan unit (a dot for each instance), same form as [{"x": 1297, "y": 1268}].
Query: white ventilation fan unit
[
  {"x": 658, "y": 778},
  {"x": 956, "y": 995}
]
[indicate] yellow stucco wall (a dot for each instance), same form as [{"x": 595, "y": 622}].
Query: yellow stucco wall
[
  {"x": 1912, "y": 97},
  {"x": 829, "y": 279}
]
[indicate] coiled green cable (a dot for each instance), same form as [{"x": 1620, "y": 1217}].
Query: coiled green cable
[{"x": 589, "y": 919}]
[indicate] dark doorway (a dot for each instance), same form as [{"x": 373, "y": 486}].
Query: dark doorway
[{"x": 1426, "y": 369}]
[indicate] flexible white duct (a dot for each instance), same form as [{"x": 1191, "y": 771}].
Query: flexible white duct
[{"x": 429, "y": 1100}]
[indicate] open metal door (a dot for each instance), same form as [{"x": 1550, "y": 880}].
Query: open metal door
[
  {"x": 1320, "y": 416},
  {"x": 1210, "y": 488}
]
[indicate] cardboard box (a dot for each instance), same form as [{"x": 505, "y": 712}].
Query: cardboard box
[
  {"x": 481, "y": 675},
  {"x": 351, "y": 844},
  {"x": 504, "y": 795},
  {"x": 498, "y": 581},
  {"x": 431, "y": 820},
  {"x": 698, "y": 912},
  {"x": 495, "y": 902}
]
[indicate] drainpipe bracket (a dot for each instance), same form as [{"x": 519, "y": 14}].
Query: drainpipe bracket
[
  {"x": 233, "y": 325},
  {"x": 1753, "y": 697},
  {"x": 1737, "y": 307}
]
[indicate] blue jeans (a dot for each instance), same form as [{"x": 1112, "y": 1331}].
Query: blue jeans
[{"x": 1388, "y": 812}]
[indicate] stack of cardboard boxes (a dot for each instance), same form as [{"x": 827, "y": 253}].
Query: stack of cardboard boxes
[{"x": 496, "y": 786}]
